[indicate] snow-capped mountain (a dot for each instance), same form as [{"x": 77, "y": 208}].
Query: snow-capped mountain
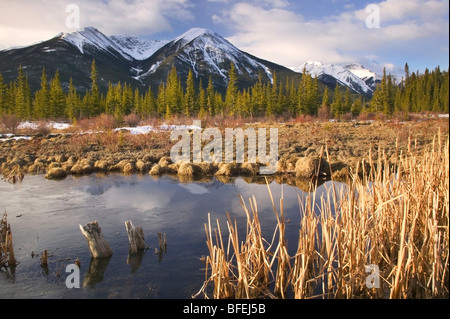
[
  {"x": 369, "y": 77},
  {"x": 128, "y": 47},
  {"x": 145, "y": 64},
  {"x": 206, "y": 53},
  {"x": 137, "y": 48},
  {"x": 90, "y": 38},
  {"x": 354, "y": 76}
]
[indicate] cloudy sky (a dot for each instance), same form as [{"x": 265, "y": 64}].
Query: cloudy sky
[{"x": 374, "y": 33}]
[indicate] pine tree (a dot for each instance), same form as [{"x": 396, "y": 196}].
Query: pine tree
[
  {"x": 313, "y": 97},
  {"x": 42, "y": 99},
  {"x": 232, "y": 90},
  {"x": 189, "y": 97},
  {"x": 174, "y": 92},
  {"x": 94, "y": 100},
  {"x": 202, "y": 100},
  {"x": 127, "y": 100},
  {"x": 210, "y": 96},
  {"x": 336, "y": 106},
  {"x": 326, "y": 98},
  {"x": 302, "y": 93},
  {"x": 73, "y": 102},
  {"x": 347, "y": 106},
  {"x": 324, "y": 111},
  {"x": 161, "y": 99},
  {"x": 57, "y": 98},
  {"x": 272, "y": 94},
  {"x": 407, "y": 74},
  {"x": 356, "y": 107},
  {"x": 137, "y": 102},
  {"x": 149, "y": 104},
  {"x": 2, "y": 96},
  {"x": 259, "y": 97},
  {"x": 22, "y": 95}
]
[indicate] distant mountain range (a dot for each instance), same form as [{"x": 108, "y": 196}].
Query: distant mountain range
[
  {"x": 146, "y": 63},
  {"x": 354, "y": 76}
]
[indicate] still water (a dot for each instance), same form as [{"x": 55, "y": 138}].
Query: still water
[{"x": 46, "y": 215}]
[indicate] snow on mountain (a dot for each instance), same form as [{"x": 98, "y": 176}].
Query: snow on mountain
[
  {"x": 361, "y": 72},
  {"x": 128, "y": 47},
  {"x": 346, "y": 76},
  {"x": 192, "y": 34},
  {"x": 137, "y": 48},
  {"x": 90, "y": 36},
  {"x": 201, "y": 46}
]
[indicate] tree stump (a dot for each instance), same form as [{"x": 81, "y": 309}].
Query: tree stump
[
  {"x": 98, "y": 245},
  {"x": 135, "y": 237},
  {"x": 44, "y": 258}
]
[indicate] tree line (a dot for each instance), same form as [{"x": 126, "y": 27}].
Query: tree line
[{"x": 415, "y": 93}]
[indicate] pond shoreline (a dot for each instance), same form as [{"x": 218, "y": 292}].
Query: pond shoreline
[{"x": 338, "y": 147}]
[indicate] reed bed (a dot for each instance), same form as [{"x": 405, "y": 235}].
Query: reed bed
[{"x": 384, "y": 235}]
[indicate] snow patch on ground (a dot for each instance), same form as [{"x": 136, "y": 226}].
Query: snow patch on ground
[
  {"x": 149, "y": 129},
  {"x": 52, "y": 125}
]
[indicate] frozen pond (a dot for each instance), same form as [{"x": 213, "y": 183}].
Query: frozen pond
[{"x": 46, "y": 215}]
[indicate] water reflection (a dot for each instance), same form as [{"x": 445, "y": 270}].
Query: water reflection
[
  {"x": 52, "y": 210},
  {"x": 96, "y": 271}
]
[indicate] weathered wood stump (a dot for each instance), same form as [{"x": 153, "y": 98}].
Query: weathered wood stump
[
  {"x": 98, "y": 245},
  {"x": 162, "y": 242},
  {"x": 44, "y": 258},
  {"x": 6, "y": 244},
  {"x": 135, "y": 237}
]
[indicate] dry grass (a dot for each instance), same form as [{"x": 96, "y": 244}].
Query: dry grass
[{"x": 394, "y": 217}]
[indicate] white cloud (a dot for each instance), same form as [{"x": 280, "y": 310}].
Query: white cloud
[
  {"x": 287, "y": 38},
  {"x": 23, "y": 22}
]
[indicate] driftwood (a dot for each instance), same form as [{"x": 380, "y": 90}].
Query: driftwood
[
  {"x": 135, "y": 237},
  {"x": 6, "y": 244},
  {"x": 162, "y": 242},
  {"x": 98, "y": 245},
  {"x": 44, "y": 258}
]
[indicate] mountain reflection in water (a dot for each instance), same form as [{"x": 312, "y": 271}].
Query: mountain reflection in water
[{"x": 51, "y": 212}]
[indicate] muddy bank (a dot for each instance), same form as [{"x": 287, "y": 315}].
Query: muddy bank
[{"x": 303, "y": 147}]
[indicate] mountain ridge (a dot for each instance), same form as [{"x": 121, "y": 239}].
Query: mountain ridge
[{"x": 146, "y": 63}]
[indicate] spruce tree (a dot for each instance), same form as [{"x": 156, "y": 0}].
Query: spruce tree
[
  {"x": 357, "y": 107},
  {"x": 149, "y": 104},
  {"x": 2, "y": 95},
  {"x": 161, "y": 99},
  {"x": 326, "y": 98},
  {"x": 336, "y": 106},
  {"x": 347, "y": 106},
  {"x": 42, "y": 99},
  {"x": 137, "y": 102},
  {"x": 189, "y": 97},
  {"x": 210, "y": 96},
  {"x": 302, "y": 93},
  {"x": 202, "y": 100},
  {"x": 173, "y": 92},
  {"x": 72, "y": 102},
  {"x": 232, "y": 90},
  {"x": 94, "y": 107},
  {"x": 57, "y": 98},
  {"x": 22, "y": 95}
]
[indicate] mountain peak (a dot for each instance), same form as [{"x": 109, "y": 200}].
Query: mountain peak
[
  {"x": 350, "y": 76},
  {"x": 88, "y": 35},
  {"x": 194, "y": 33}
]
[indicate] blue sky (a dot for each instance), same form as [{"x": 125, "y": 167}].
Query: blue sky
[{"x": 283, "y": 31}]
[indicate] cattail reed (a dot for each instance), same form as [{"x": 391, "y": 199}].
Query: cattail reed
[{"x": 392, "y": 217}]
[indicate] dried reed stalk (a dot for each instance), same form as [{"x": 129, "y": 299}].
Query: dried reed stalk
[{"x": 394, "y": 216}]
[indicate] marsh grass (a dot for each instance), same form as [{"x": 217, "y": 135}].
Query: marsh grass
[{"x": 392, "y": 216}]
